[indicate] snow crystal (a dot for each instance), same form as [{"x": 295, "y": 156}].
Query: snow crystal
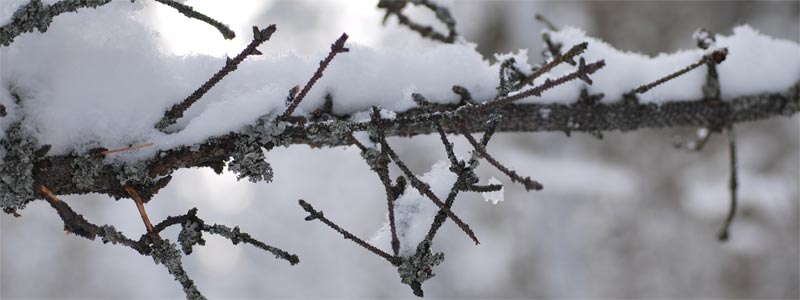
[{"x": 494, "y": 197}]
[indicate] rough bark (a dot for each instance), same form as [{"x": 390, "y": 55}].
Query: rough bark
[{"x": 582, "y": 116}]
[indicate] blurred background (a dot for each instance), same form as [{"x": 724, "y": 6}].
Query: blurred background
[{"x": 628, "y": 216}]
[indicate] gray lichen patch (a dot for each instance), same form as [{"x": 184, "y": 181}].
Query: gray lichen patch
[
  {"x": 191, "y": 234},
  {"x": 418, "y": 268},
  {"x": 16, "y": 171},
  {"x": 166, "y": 253},
  {"x": 248, "y": 160},
  {"x": 86, "y": 167},
  {"x": 136, "y": 173}
]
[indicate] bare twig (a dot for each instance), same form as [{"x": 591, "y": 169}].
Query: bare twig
[
  {"x": 107, "y": 152},
  {"x": 318, "y": 215},
  {"x": 426, "y": 190},
  {"x": 140, "y": 206},
  {"x": 177, "y": 110},
  {"x": 715, "y": 57},
  {"x": 189, "y": 12},
  {"x": 448, "y": 146},
  {"x": 582, "y": 73},
  {"x": 336, "y": 48},
  {"x": 546, "y": 22},
  {"x": 557, "y": 60},
  {"x": 237, "y": 237},
  {"x": 379, "y": 163},
  {"x": 440, "y": 217},
  {"x": 49, "y": 195},
  {"x": 732, "y": 185},
  {"x": 395, "y": 7},
  {"x": 526, "y": 181}
]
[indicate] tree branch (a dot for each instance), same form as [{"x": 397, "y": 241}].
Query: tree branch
[
  {"x": 56, "y": 172},
  {"x": 189, "y": 12}
]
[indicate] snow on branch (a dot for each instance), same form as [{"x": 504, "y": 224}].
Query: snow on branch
[
  {"x": 448, "y": 89},
  {"x": 259, "y": 37}
]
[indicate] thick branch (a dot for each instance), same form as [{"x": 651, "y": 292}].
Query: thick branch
[{"x": 56, "y": 171}]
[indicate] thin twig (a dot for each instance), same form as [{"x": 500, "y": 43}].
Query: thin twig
[
  {"x": 107, "y": 152},
  {"x": 546, "y": 22},
  {"x": 379, "y": 163},
  {"x": 732, "y": 185},
  {"x": 441, "y": 216},
  {"x": 140, "y": 205},
  {"x": 557, "y": 60},
  {"x": 76, "y": 224},
  {"x": 48, "y": 194},
  {"x": 189, "y": 12},
  {"x": 426, "y": 190},
  {"x": 395, "y": 7},
  {"x": 336, "y": 48},
  {"x": 318, "y": 215},
  {"x": 526, "y": 181},
  {"x": 237, "y": 237},
  {"x": 582, "y": 73},
  {"x": 177, "y": 110},
  {"x": 715, "y": 57},
  {"x": 448, "y": 146}
]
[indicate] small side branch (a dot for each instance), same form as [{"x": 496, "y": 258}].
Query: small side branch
[
  {"x": 582, "y": 73},
  {"x": 189, "y": 12},
  {"x": 107, "y": 152},
  {"x": 395, "y": 7},
  {"x": 237, "y": 237},
  {"x": 318, "y": 215},
  {"x": 336, "y": 48},
  {"x": 715, "y": 57},
  {"x": 177, "y": 110},
  {"x": 426, "y": 190},
  {"x": 732, "y": 185},
  {"x": 379, "y": 163},
  {"x": 526, "y": 181},
  {"x": 557, "y": 60},
  {"x": 140, "y": 206},
  {"x": 162, "y": 251}
]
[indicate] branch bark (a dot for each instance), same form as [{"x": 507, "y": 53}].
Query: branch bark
[{"x": 582, "y": 116}]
